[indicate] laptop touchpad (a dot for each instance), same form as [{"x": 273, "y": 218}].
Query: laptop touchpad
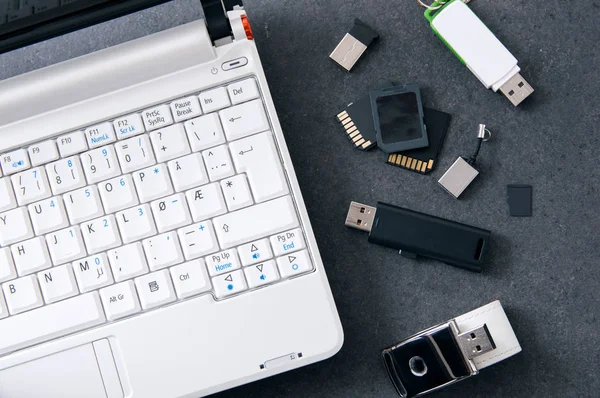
[{"x": 74, "y": 373}]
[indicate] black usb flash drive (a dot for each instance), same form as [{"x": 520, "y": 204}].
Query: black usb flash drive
[{"x": 418, "y": 234}]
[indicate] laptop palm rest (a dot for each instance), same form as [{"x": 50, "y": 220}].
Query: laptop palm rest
[{"x": 74, "y": 373}]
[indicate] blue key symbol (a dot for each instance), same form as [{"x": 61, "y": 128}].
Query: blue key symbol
[
  {"x": 230, "y": 287},
  {"x": 255, "y": 256},
  {"x": 295, "y": 267},
  {"x": 263, "y": 277}
]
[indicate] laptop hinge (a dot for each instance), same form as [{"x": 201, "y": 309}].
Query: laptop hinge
[{"x": 217, "y": 21}]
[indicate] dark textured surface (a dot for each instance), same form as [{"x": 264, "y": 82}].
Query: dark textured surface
[{"x": 544, "y": 269}]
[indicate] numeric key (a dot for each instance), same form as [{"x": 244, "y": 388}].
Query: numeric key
[
  {"x": 48, "y": 215},
  {"x": 92, "y": 273},
  {"x": 65, "y": 175},
  {"x": 100, "y": 164},
  {"x": 100, "y": 234},
  {"x": 31, "y": 185},
  {"x": 118, "y": 193},
  {"x": 135, "y": 153},
  {"x": 83, "y": 204},
  {"x": 65, "y": 245}
]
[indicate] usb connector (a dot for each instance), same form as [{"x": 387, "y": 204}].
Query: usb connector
[
  {"x": 360, "y": 216},
  {"x": 516, "y": 89},
  {"x": 476, "y": 342}
]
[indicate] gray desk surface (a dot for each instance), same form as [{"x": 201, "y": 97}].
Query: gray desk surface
[{"x": 544, "y": 269}]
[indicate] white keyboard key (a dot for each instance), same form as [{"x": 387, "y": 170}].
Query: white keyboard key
[
  {"x": 255, "y": 222},
  {"x": 287, "y": 242},
  {"x": 236, "y": 192},
  {"x": 100, "y": 234},
  {"x": 157, "y": 117},
  {"x": 243, "y": 120},
  {"x": 153, "y": 183},
  {"x": 188, "y": 172},
  {"x": 65, "y": 245},
  {"x": 171, "y": 212},
  {"x": 127, "y": 261},
  {"x": 243, "y": 91},
  {"x": 48, "y": 215},
  {"x": 213, "y": 100},
  {"x": 294, "y": 263},
  {"x": 155, "y": 289},
  {"x": 65, "y": 175},
  {"x": 205, "y": 132},
  {"x": 71, "y": 144},
  {"x": 206, "y": 202},
  {"x": 255, "y": 252},
  {"x": 118, "y": 193},
  {"x": 136, "y": 223},
  {"x": 31, "y": 256},
  {"x": 218, "y": 162},
  {"x": 190, "y": 279},
  {"x": 198, "y": 240},
  {"x": 100, "y": 134},
  {"x": 7, "y": 195},
  {"x": 43, "y": 152},
  {"x": 135, "y": 153},
  {"x": 92, "y": 273},
  {"x": 228, "y": 284},
  {"x": 14, "y": 161},
  {"x": 257, "y": 156},
  {"x": 100, "y": 164},
  {"x": 7, "y": 265},
  {"x": 31, "y": 185},
  {"x": 120, "y": 300},
  {"x": 185, "y": 108},
  {"x": 170, "y": 143},
  {"x": 15, "y": 226},
  {"x": 261, "y": 274},
  {"x": 222, "y": 262},
  {"x": 163, "y": 251},
  {"x": 128, "y": 126},
  {"x": 3, "y": 308},
  {"x": 83, "y": 204},
  {"x": 50, "y": 322},
  {"x": 22, "y": 294},
  {"x": 58, "y": 283}
]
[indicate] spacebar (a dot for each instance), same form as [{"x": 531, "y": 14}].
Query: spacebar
[
  {"x": 258, "y": 221},
  {"x": 49, "y": 322}
]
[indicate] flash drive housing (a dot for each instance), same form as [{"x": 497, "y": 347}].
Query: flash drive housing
[{"x": 420, "y": 234}]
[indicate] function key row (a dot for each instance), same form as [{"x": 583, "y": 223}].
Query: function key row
[{"x": 127, "y": 126}]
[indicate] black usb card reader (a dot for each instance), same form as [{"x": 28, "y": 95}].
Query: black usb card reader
[{"x": 418, "y": 234}]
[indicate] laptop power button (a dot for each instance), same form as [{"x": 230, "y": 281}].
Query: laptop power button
[{"x": 235, "y": 63}]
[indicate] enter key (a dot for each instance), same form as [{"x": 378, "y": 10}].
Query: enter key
[{"x": 257, "y": 156}]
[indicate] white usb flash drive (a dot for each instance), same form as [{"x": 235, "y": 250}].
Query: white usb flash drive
[{"x": 479, "y": 49}]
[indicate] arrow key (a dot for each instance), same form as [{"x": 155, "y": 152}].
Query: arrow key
[
  {"x": 293, "y": 264},
  {"x": 228, "y": 284},
  {"x": 262, "y": 274},
  {"x": 255, "y": 252}
]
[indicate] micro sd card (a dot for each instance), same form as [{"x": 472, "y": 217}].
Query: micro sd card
[{"x": 423, "y": 160}]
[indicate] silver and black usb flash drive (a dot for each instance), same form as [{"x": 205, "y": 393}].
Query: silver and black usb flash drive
[
  {"x": 418, "y": 234},
  {"x": 450, "y": 352}
]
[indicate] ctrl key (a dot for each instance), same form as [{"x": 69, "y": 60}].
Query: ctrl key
[
  {"x": 228, "y": 284},
  {"x": 120, "y": 300}
]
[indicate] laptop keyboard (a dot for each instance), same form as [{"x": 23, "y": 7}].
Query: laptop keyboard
[{"x": 179, "y": 200}]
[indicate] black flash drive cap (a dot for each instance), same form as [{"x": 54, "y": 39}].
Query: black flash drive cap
[
  {"x": 398, "y": 118},
  {"x": 424, "y": 160},
  {"x": 520, "y": 200},
  {"x": 420, "y": 234}
]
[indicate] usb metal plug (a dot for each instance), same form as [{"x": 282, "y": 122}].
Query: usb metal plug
[
  {"x": 516, "y": 89},
  {"x": 360, "y": 216},
  {"x": 476, "y": 342}
]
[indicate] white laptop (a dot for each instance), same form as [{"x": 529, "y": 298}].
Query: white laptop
[{"x": 153, "y": 237}]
